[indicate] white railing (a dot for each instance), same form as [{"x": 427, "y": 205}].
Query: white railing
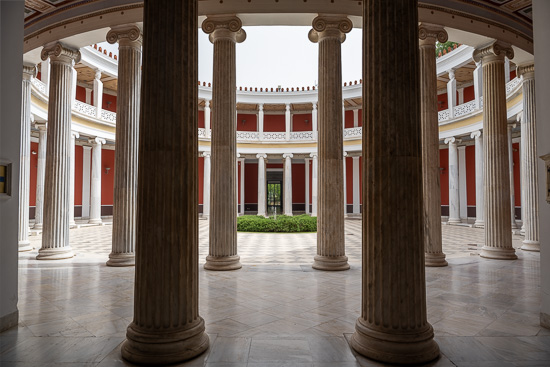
[
  {"x": 512, "y": 84},
  {"x": 443, "y": 115},
  {"x": 465, "y": 108},
  {"x": 248, "y": 135},
  {"x": 275, "y": 136},
  {"x": 202, "y": 133},
  {"x": 301, "y": 135},
  {"x": 353, "y": 132},
  {"x": 85, "y": 109},
  {"x": 108, "y": 116},
  {"x": 39, "y": 85}
]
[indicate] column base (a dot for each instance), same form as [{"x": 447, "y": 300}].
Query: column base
[
  {"x": 435, "y": 259},
  {"x": 164, "y": 347},
  {"x": 24, "y": 246},
  {"x": 58, "y": 253},
  {"x": 498, "y": 253},
  {"x": 452, "y": 221},
  {"x": 37, "y": 226},
  {"x": 478, "y": 224},
  {"x": 289, "y": 214},
  {"x": 330, "y": 263},
  {"x": 527, "y": 246},
  {"x": 414, "y": 348},
  {"x": 121, "y": 259},
  {"x": 95, "y": 221},
  {"x": 223, "y": 263}
]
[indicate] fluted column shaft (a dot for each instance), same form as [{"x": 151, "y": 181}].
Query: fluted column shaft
[
  {"x": 454, "y": 196},
  {"x": 393, "y": 325},
  {"x": 307, "y": 163},
  {"x": 344, "y": 184},
  {"x": 314, "y": 183},
  {"x": 55, "y": 235},
  {"x": 224, "y": 32},
  {"x": 95, "y": 190},
  {"x": 480, "y": 191},
  {"x": 511, "y": 177},
  {"x": 40, "y": 176},
  {"x": 207, "y": 117},
  {"x": 206, "y": 186},
  {"x": 262, "y": 200},
  {"x": 529, "y": 161},
  {"x": 287, "y": 192},
  {"x": 498, "y": 229},
  {"x": 72, "y": 223},
  {"x": 431, "y": 189},
  {"x": 329, "y": 32},
  {"x": 127, "y": 141},
  {"x": 167, "y": 327},
  {"x": 25, "y": 163}
]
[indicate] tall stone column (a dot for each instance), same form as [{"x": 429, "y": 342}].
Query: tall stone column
[
  {"x": 431, "y": 189},
  {"x": 511, "y": 177},
  {"x": 74, "y": 136},
  {"x": 356, "y": 186},
  {"x": 478, "y": 85},
  {"x": 40, "y": 175},
  {"x": 98, "y": 93},
  {"x": 314, "y": 184},
  {"x": 287, "y": 192},
  {"x": 288, "y": 119},
  {"x": 225, "y": 32},
  {"x": 55, "y": 235},
  {"x": 308, "y": 162},
  {"x": 167, "y": 327},
  {"x": 95, "y": 191},
  {"x": 480, "y": 191},
  {"x": 86, "y": 180},
  {"x": 127, "y": 142},
  {"x": 262, "y": 200},
  {"x": 206, "y": 186},
  {"x": 242, "y": 186},
  {"x": 454, "y": 199},
  {"x": 344, "y": 184},
  {"x": 529, "y": 162},
  {"x": 498, "y": 229},
  {"x": 329, "y": 32},
  {"x": 462, "y": 184},
  {"x": 207, "y": 118},
  {"x": 393, "y": 326},
  {"x": 25, "y": 163}
]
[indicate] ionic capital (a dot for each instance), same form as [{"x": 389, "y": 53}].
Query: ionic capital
[
  {"x": 41, "y": 126},
  {"x": 452, "y": 140},
  {"x": 206, "y": 154},
  {"x": 97, "y": 141},
  {"x": 75, "y": 134},
  {"x": 430, "y": 33},
  {"x": 330, "y": 26},
  {"x": 314, "y": 155},
  {"x": 224, "y": 27},
  {"x": 97, "y": 74},
  {"x": 288, "y": 155},
  {"x": 512, "y": 125},
  {"x": 126, "y": 35},
  {"x": 476, "y": 134},
  {"x": 519, "y": 117},
  {"x": 261, "y": 155},
  {"x": 56, "y": 51},
  {"x": 527, "y": 71},
  {"x": 496, "y": 51},
  {"x": 345, "y": 154},
  {"x": 29, "y": 71}
]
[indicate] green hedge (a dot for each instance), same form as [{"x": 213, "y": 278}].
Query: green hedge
[{"x": 283, "y": 223}]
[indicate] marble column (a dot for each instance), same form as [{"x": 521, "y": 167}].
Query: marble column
[
  {"x": 167, "y": 327},
  {"x": 498, "y": 229},
  {"x": 225, "y": 32},
  {"x": 356, "y": 186},
  {"x": 129, "y": 39},
  {"x": 393, "y": 326},
  {"x": 45, "y": 69},
  {"x": 25, "y": 163},
  {"x": 262, "y": 200},
  {"x": 55, "y": 234},
  {"x": 242, "y": 186},
  {"x": 511, "y": 177},
  {"x": 207, "y": 112},
  {"x": 344, "y": 185},
  {"x": 529, "y": 162},
  {"x": 314, "y": 183},
  {"x": 95, "y": 191},
  {"x": 451, "y": 93},
  {"x": 72, "y": 223},
  {"x": 98, "y": 93},
  {"x": 314, "y": 120},
  {"x": 86, "y": 180},
  {"x": 478, "y": 85},
  {"x": 454, "y": 199},
  {"x": 480, "y": 191},
  {"x": 431, "y": 189},
  {"x": 288, "y": 119},
  {"x": 261, "y": 121},
  {"x": 287, "y": 191},
  {"x": 307, "y": 161},
  {"x": 206, "y": 186},
  {"x": 40, "y": 175},
  {"x": 462, "y": 184},
  {"x": 329, "y": 31}
]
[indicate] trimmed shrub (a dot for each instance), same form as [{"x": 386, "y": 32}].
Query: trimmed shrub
[{"x": 283, "y": 224}]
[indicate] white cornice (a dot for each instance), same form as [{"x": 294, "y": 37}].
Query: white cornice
[
  {"x": 455, "y": 59},
  {"x": 95, "y": 60}
]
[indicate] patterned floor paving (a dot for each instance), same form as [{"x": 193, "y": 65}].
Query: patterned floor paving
[{"x": 277, "y": 310}]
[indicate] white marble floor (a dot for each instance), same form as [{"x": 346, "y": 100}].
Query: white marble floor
[{"x": 277, "y": 311}]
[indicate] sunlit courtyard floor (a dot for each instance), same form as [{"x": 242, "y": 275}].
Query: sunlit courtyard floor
[{"x": 277, "y": 310}]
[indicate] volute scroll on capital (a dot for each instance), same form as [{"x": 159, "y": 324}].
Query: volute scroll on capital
[
  {"x": 476, "y": 134},
  {"x": 452, "y": 140},
  {"x": 497, "y": 49},
  {"x": 526, "y": 71},
  {"x": 128, "y": 33},
  {"x": 60, "y": 52},
  {"x": 325, "y": 26},
  {"x": 224, "y": 27},
  {"x": 432, "y": 33}
]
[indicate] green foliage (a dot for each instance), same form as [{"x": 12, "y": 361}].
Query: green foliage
[
  {"x": 444, "y": 48},
  {"x": 283, "y": 224}
]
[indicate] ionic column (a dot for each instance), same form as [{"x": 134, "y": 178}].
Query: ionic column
[
  {"x": 431, "y": 189},
  {"x": 454, "y": 198},
  {"x": 242, "y": 185},
  {"x": 478, "y": 85},
  {"x": 98, "y": 93},
  {"x": 529, "y": 161},
  {"x": 393, "y": 326},
  {"x": 45, "y": 70},
  {"x": 314, "y": 120},
  {"x": 345, "y": 186},
  {"x": 480, "y": 191},
  {"x": 462, "y": 185},
  {"x": 506, "y": 70},
  {"x": 343, "y": 114},
  {"x": 329, "y": 32},
  {"x": 95, "y": 191},
  {"x": 25, "y": 163},
  {"x": 207, "y": 117},
  {"x": 356, "y": 186},
  {"x": 261, "y": 120},
  {"x": 86, "y": 180},
  {"x": 511, "y": 176},
  {"x": 55, "y": 234},
  {"x": 451, "y": 93},
  {"x": 287, "y": 193},
  {"x": 40, "y": 176},
  {"x": 225, "y": 32},
  {"x": 167, "y": 327},
  {"x": 127, "y": 142},
  {"x": 288, "y": 119},
  {"x": 314, "y": 184},
  {"x": 262, "y": 200},
  {"x": 72, "y": 223},
  {"x": 307, "y": 161},
  {"x": 206, "y": 186},
  {"x": 498, "y": 229}
]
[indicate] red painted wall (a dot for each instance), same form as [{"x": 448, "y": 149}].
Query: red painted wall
[
  {"x": 109, "y": 98},
  {"x": 513, "y": 74},
  {"x": 201, "y": 180},
  {"x": 517, "y": 183},
  {"x": 349, "y": 119},
  {"x": 274, "y": 123},
  {"x": 444, "y": 177},
  {"x": 298, "y": 183},
  {"x": 250, "y": 122},
  {"x": 81, "y": 93},
  {"x": 107, "y": 179},
  {"x": 299, "y": 122},
  {"x": 251, "y": 183},
  {"x": 78, "y": 152},
  {"x": 274, "y": 165},
  {"x": 469, "y": 94},
  {"x": 349, "y": 180},
  {"x": 442, "y": 103},
  {"x": 34, "y": 164},
  {"x": 201, "y": 120},
  {"x": 471, "y": 175}
]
